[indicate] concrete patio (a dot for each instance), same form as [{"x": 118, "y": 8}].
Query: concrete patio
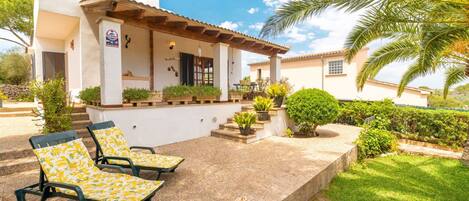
[{"x": 276, "y": 168}]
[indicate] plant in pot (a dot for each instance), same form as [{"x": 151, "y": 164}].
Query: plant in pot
[
  {"x": 2, "y": 98},
  {"x": 245, "y": 120},
  {"x": 206, "y": 93},
  {"x": 91, "y": 95},
  {"x": 133, "y": 94},
  {"x": 178, "y": 93},
  {"x": 235, "y": 95},
  {"x": 277, "y": 92},
  {"x": 262, "y": 106}
]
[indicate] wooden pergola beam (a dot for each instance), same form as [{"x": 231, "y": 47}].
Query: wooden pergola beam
[
  {"x": 196, "y": 29},
  {"x": 177, "y": 24}
]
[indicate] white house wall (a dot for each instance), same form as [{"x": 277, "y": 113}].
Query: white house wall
[
  {"x": 73, "y": 61},
  {"x": 159, "y": 126},
  {"x": 136, "y": 58}
]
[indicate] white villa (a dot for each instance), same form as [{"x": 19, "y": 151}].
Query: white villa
[
  {"x": 118, "y": 44},
  {"x": 329, "y": 71}
]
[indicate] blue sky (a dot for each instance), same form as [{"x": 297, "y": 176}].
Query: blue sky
[{"x": 321, "y": 33}]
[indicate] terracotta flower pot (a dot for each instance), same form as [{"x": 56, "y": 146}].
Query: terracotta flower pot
[{"x": 263, "y": 115}]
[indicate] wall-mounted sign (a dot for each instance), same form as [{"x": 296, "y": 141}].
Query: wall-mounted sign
[{"x": 112, "y": 38}]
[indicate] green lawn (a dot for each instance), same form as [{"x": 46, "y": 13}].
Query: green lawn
[{"x": 402, "y": 177}]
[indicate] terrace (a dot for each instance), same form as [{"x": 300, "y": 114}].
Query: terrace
[{"x": 276, "y": 168}]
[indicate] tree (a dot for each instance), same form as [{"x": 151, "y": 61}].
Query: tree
[
  {"x": 16, "y": 17},
  {"x": 432, "y": 33},
  {"x": 15, "y": 68}
]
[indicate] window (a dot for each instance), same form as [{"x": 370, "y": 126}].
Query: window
[
  {"x": 336, "y": 67},
  {"x": 203, "y": 71}
]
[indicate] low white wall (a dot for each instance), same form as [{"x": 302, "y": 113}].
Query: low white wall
[{"x": 165, "y": 125}]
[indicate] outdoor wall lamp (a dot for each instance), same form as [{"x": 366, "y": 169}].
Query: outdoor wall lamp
[{"x": 172, "y": 44}]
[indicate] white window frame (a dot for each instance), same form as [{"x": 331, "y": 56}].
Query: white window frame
[{"x": 335, "y": 67}]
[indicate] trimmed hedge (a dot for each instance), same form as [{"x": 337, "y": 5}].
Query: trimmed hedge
[
  {"x": 374, "y": 142},
  {"x": 444, "y": 127}
]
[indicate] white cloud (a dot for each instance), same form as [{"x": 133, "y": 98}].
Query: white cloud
[
  {"x": 274, "y": 3},
  {"x": 297, "y": 35},
  {"x": 253, "y": 10},
  {"x": 257, "y": 26},
  {"x": 231, "y": 25}
]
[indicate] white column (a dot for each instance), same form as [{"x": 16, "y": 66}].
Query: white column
[
  {"x": 220, "y": 67},
  {"x": 111, "y": 62},
  {"x": 275, "y": 65},
  {"x": 235, "y": 67}
]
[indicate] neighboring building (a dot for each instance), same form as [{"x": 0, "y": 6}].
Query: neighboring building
[
  {"x": 118, "y": 44},
  {"x": 329, "y": 71}
]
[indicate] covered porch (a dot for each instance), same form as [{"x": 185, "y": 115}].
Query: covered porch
[{"x": 142, "y": 46}]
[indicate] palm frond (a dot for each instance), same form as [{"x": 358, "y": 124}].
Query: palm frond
[
  {"x": 413, "y": 72},
  {"x": 454, "y": 75},
  {"x": 295, "y": 12},
  {"x": 399, "y": 50}
]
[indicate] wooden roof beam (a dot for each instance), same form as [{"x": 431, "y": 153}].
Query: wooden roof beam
[
  {"x": 239, "y": 40},
  {"x": 258, "y": 46},
  {"x": 225, "y": 36},
  {"x": 98, "y": 6},
  {"x": 213, "y": 33},
  {"x": 196, "y": 29},
  {"x": 156, "y": 19},
  {"x": 177, "y": 24}
]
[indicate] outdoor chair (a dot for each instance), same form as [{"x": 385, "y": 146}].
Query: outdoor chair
[
  {"x": 112, "y": 148},
  {"x": 68, "y": 171}
]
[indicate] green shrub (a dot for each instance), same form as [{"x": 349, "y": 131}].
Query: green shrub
[
  {"x": 245, "y": 119},
  {"x": 57, "y": 112},
  {"x": 373, "y": 142},
  {"x": 312, "y": 107},
  {"x": 277, "y": 90},
  {"x": 90, "y": 95},
  {"x": 15, "y": 68},
  {"x": 262, "y": 104},
  {"x": 236, "y": 92},
  {"x": 206, "y": 91},
  {"x": 133, "y": 94},
  {"x": 178, "y": 91},
  {"x": 444, "y": 127},
  {"x": 25, "y": 97},
  {"x": 289, "y": 133}
]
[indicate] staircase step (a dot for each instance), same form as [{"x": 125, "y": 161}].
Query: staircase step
[
  {"x": 17, "y": 114},
  {"x": 80, "y": 116},
  {"x": 83, "y": 133},
  {"x": 16, "y": 154},
  {"x": 79, "y": 109},
  {"x": 82, "y": 124},
  {"x": 260, "y": 123},
  {"x": 18, "y": 165},
  {"x": 234, "y": 136},
  {"x": 235, "y": 127},
  {"x": 16, "y": 109}
]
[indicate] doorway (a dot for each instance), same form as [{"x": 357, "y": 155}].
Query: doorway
[{"x": 53, "y": 65}]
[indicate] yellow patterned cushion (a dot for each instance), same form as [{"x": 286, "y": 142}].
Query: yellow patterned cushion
[
  {"x": 70, "y": 163},
  {"x": 113, "y": 143}
]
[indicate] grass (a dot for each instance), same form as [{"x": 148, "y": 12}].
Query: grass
[{"x": 402, "y": 177}]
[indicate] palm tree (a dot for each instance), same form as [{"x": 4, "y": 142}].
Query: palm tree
[{"x": 432, "y": 33}]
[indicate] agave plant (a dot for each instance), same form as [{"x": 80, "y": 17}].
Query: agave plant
[{"x": 432, "y": 33}]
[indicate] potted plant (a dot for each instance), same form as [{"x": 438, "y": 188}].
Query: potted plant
[
  {"x": 134, "y": 94},
  {"x": 235, "y": 95},
  {"x": 262, "y": 106},
  {"x": 178, "y": 93},
  {"x": 206, "y": 93},
  {"x": 245, "y": 121},
  {"x": 277, "y": 92},
  {"x": 91, "y": 95},
  {"x": 2, "y": 98}
]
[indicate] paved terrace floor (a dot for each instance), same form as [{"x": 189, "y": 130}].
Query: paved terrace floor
[{"x": 276, "y": 168}]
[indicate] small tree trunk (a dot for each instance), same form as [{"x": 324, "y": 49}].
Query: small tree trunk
[
  {"x": 315, "y": 133},
  {"x": 465, "y": 154}
]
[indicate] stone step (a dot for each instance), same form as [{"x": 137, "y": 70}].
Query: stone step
[
  {"x": 12, "y": 166},
  {"x": 79, "y": 109},
  {"x": 17, "y": 114},
  {"x": 16, "y": 109},
  {"x": 82, "y": 124},
  {"x": 83, "y": 133},
  {"x": 23, "y": 153},
  {"x": 234, "y": 136},
  {"x": 80, "y": 116},
  {"x": 235, "y": 127}
]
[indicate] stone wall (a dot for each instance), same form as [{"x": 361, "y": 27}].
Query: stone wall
[{"x": 15, "y": 91}]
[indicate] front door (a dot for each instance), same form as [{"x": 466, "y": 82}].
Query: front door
[{"x": 53, "y": 65}]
